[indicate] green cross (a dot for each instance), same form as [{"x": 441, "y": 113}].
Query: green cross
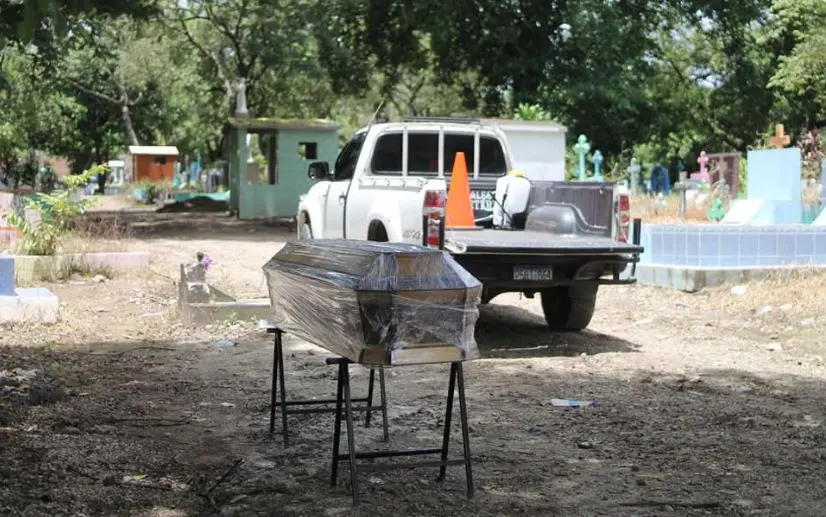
[
  {"x": 581, "y": 149},
  {"x": 596, "y": 159}
]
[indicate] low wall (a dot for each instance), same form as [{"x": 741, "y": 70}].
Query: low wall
[
  {"x": 30, "y": 269},
  {"x": 715, "y": 245}
]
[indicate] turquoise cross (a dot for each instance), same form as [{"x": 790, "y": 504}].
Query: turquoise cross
[
  {"x": 581, "y": 149},
  {"x": 596, "y": 159}
]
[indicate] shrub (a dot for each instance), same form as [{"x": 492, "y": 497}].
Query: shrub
[{"x": 56, "y": 211}]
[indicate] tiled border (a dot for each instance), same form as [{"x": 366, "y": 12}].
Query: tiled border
[{"x": 712, "y": 245}]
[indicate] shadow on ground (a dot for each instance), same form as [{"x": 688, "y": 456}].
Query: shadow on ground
[
  {"x": 177, "y": 430},
  {"x": 510, "y": 332}
]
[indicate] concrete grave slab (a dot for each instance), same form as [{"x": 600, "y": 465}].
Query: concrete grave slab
[
  {"x": 200, "y": 303},
  {"x": 34, "y": 305},
  {"x": 743, "y": 211}
]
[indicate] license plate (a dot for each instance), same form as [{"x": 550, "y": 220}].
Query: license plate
[{"x": 536, "y": 273}]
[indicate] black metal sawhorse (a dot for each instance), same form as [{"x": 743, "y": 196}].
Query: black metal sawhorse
[
  {"x": 343, "y": 398},
  {"x": 278, "y": 395}
]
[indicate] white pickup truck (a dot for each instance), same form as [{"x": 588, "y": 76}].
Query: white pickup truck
[{"x": 570, "y": 240}]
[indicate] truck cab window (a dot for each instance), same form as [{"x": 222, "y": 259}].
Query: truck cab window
[
  {"x": 345, "y": 165},
  {"x": 423, "y": 154}
]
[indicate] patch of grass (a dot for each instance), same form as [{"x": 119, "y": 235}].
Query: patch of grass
[
  {"x": 95, "y": 233},
  {"x": 801, "y": 290},
  {"x": 650, "y": 210},
  {"x": 87, "y": 270}
]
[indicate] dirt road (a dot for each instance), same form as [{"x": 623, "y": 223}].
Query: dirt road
[{"x": 707, "y": 404}]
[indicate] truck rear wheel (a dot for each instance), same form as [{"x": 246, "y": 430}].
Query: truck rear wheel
[{"x": 569, "y": 308}]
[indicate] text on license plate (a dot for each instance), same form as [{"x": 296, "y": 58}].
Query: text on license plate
[{"x": 533, "y": 273}]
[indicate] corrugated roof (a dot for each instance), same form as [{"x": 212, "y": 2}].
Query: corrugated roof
[{"x": 157, "y": 150}]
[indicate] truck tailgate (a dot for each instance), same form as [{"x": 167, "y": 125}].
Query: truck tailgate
[{"x": 537, "y": 243}]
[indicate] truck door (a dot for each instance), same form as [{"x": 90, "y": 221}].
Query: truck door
[{"x": 335, "y": 206}]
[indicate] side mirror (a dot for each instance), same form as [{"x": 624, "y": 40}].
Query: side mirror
[{"x": 318, "y": 170}]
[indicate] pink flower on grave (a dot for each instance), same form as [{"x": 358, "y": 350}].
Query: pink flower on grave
[{"x": 204, "y": 259}]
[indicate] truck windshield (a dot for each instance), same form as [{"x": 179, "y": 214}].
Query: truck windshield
[
  {"x": 345, "y": 165},
  {"x": 423, "y": 154}
]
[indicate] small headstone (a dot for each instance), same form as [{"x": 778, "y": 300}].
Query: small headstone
[
  {"x": 682, "y": 186},
  {"x": 6, "y": 275},
  {"x": 823, "y": 184},
  {"x": 6, "y": 205},
  {"x": 596, "y": 159},
  {"x": 582, "y": 148},
  {"x": 660, "y": 182},
  {"x": 634, "y": 174},
  {"x": 725, "y": 166}
]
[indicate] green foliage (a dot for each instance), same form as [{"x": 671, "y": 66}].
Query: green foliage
[
  {"x": 56, "y": 211},
  {"x": 152, "y": 189},
  {"x": 662, "y": 80},
  {"x": 531, "y": 112}
]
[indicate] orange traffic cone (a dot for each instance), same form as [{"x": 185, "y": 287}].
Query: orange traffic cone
[{"x": 459, "y": 210}]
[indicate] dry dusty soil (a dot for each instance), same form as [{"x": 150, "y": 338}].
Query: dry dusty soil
[{"x": 707, "y": 404}]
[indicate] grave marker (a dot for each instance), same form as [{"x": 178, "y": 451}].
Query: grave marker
[
  {"x": 596, "y": 159},
  {"x": 823, "y": 184},
  {"x": 702, "y": 161},
  {"x": 780, "y": 139},
  {"x": 6, "y": 275},
  {"x": 634, "y": 174},
  {"x": 725, "y": 166},
  {"x": 660, "y": 181},
  {"x": 774, "y": 193},
  {"x": 682, "y": 186},
  {"x": 581, "y": 149}
]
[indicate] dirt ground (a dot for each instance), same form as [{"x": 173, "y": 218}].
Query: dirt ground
[{"x": 707, "y": 404}]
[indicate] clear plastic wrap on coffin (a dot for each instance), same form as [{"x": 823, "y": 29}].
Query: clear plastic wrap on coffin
[{"x": 375, "y": 303}]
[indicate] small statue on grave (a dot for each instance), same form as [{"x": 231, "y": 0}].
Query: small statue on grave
[
  {"x": 660, "y": 182},
  {"x": 634, "y": 175},
  {"x": 581, "y": 149},
  {"x": 241, "y": 99},
  {"x": 717, "y": 210},
  {"x": 682, "y": 187},
  {"x": 596, "y": 159}
]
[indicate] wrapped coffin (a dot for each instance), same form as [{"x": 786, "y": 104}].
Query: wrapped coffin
[{"x": 375, "y": 303}]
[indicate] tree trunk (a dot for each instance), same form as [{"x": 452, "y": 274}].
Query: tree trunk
[
  {"x": 127, "y": 116},
  {"x": 127, "y": 122}
]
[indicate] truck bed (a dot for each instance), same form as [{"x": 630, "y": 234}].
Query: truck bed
[{"x": 489, "y": 241}]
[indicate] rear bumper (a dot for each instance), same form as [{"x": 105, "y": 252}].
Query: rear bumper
[{"x": 496, "y": 271}]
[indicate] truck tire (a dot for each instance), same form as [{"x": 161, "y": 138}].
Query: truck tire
[
  {"x": 569, "y": 308},
  {"x": 305, "y": 232}
]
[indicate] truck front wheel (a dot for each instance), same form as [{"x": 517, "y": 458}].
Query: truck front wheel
[
  {"x": 305, "y": 231},
  {"x": 569, "y": 308}
]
